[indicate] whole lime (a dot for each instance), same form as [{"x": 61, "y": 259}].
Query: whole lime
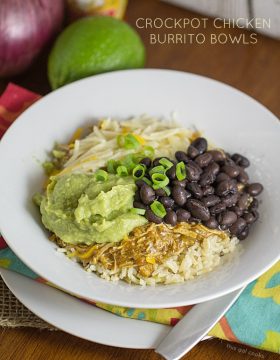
[{"x": 91, "y": 46}]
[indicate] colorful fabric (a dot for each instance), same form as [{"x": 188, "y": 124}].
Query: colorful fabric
[{"x": 255, "y": 317}]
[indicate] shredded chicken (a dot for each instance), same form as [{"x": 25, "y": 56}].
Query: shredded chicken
[{"x": 145, "y": 247}]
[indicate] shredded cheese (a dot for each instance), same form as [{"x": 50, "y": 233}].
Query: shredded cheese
[
  {"x": 77, "y": 135},
  {"x": 100, "y": 145}
]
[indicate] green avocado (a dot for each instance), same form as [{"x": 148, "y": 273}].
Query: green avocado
[{"x": 81, "y": 210}]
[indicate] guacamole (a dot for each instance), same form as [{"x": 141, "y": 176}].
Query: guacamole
[{"x": 80, "y": 209}]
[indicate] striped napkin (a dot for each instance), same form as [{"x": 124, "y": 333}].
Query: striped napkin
[{"x": 253, "y": 320}]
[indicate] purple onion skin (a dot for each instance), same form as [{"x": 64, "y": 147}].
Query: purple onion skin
[{"x": 25, "y": 28}]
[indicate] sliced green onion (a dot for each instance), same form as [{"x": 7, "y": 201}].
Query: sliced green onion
[
  {"x": 128, "y": 162},
  {"x": 122, "y": 170},
  {"x": 127, "y": 141},
  {"x": 167, "y": 190},
  {"x": 181, "y": 171},
  {"x": 157, "y": 169},
  {"x": 159, "y": 180},
  {"x": 112, "y": 166},
  {"x": 130, "y": 142},
  {"x": 158, "y": 209},
  {"x": 147, "y": 181},
  {"x": 148, "y": 151},
  {"x": 101, "y": 175},
  {"x": 139, "y": 168},
  {"x": 138, "y": 211},
  {"x": 166, "y": 163},
  {"x": 137, "y": 157}
]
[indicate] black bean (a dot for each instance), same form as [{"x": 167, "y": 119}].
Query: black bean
[
  {"x": 139, "y": 205},
  {"x": 243, "y": 234},
  {"x": 147, "y": 162},
  {"x": 200, "y": 144},
  {"x": 228, "y": 161},
  {"x": 198, "y": 209},
  {"x": 243, "y": 177},
  {"x": 193, "y": 171},
  {"x": 251, "y": 217},
  {"x": 214, "y": 168},
  {"x": 240, "y": 160},
  {"x": 171, "y": 173},
  {"x": 230, "y": 200},
  {"x": 210, "y": 200},
  {"x": 137, "y": 196},
  {"x": 244, "y": 162},
  {"x": 207, "y": 179},
  {"x": 181, "y": 156},
  {"x": 221, "y": 177},
  {"x": 208, "y": 190},
  {"x": 226, "y": 187},
  {"x": 238, "y": 226},
  {"x": 147, "y": 194},
  {"x": 166, "y": 201},
  {"x": 204, "y": 159},
  {"x": 218, "y": 155},
  {"x": 160, "y": 192},
  {"x": 156, "y": 161},
  {"x": 195, "y": 189},
  {"x": 212, "y": 223},
  {"x": 217, "y": 209},
  {"x": 194, "y": 220},
  {"x": 170, "y": 217},
  {"x": 192, "y": 152},
  {"x": 243, "y": 201},
  {"x": 254, "y": 205},
  {"x": 180, "y": 195},
  {"x": 150, "y": 216},
  {"x": 227, "y": 218},
  {"x": 209, "y": 174},
  {"x": 237, "y": 210},
  {"x": 182, "y": 183},
  {"x": 236, "y": 158},
  {"x": 196, "y": 166},
  {"x": 140, "y": 182},
  {"x": 182, "y": 215},
  {"x": 231, "y": 171},
  {"x": 254, "y": 189}
]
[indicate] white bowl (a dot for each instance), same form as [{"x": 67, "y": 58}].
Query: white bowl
[{"x": 230, "y": 118}]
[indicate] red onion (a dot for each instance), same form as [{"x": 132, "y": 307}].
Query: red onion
[{"x": 25, "y": 27}]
